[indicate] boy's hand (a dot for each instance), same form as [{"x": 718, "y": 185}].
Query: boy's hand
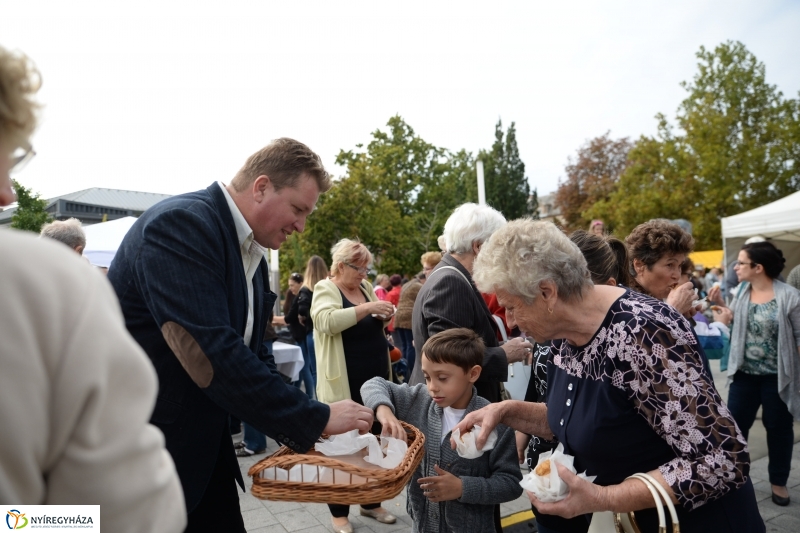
[
  {"x": 442, "y": 487},
  {"x": 389, "y": 423}
]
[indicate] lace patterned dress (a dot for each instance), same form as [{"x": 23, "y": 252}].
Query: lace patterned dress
[{"x": 637, "y": 398}]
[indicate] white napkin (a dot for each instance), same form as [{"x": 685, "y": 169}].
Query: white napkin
[
  {"x": 388, "y": 453},
  {"x": 551, "y": 488},
  {"x": 465, "y": 444}
]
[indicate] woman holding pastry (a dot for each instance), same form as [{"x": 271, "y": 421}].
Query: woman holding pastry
[
  {"x": 627, "y": 390},
  {"x": 350, "y": 345}
]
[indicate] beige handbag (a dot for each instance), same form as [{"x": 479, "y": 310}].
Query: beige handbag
[{"x": 609, "y": 522}]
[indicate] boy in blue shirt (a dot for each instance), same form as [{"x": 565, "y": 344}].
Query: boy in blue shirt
[{"x": 448, "y": 492}]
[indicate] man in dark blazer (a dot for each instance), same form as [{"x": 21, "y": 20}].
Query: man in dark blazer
[
  {"x": 450, "y": 299},
  {"x": 193, "y": 284}
]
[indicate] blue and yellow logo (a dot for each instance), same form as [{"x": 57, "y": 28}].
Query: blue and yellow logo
[{"x": 16, "y": 517}]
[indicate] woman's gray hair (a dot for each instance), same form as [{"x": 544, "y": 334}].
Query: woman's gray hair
[
  {"x": 525, "y": 252},
  {"x": 380, "y": 278},
  {"x": 349, "y": 251},
  {"x": 469, "y": 223},
  {"x": 69, "y": 231}
]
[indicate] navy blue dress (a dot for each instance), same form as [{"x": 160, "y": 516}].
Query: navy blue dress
[{"x": 637, "y": 398}]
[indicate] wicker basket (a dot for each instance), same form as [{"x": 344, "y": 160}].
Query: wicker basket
[{"x": 381, "y": 484}]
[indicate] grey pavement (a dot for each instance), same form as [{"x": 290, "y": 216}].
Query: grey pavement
[{"x": 261, "y": 516}]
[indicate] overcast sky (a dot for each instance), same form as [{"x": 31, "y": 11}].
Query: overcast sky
[{"x": 169, "y": 96}]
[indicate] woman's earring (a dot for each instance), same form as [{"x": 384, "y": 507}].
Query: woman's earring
[{"x": 549, "y": 310}]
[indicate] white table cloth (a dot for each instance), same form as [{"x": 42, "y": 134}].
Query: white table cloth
[{"x": 288, "y": 358}]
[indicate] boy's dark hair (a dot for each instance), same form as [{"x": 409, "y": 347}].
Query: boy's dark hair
[{"x": 458, "y": 346}]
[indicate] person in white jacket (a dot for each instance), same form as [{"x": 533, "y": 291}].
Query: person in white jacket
[{"x": 76, "y": 391}]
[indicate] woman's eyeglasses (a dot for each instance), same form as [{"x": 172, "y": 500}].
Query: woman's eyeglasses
[
  {"x": 361, "y": 270},
  {"x": 750, "y": 264}
]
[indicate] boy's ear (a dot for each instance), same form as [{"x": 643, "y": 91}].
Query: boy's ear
[{"x": 474, "y": 373}]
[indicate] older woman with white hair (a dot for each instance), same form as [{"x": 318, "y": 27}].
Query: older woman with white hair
[
  {"x": 627, "y": 390},
  {"x": 350, "y": 345},
  {"x": 449, "y": 298},
  {"x": 69, "y": 232}
]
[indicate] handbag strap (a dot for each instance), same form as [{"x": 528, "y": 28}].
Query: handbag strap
[
  {"x": 657, "y": 489},
  {"x": 451, "y": 268}
]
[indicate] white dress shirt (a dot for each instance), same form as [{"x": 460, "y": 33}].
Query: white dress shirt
[{"x": 252, "y": 252}]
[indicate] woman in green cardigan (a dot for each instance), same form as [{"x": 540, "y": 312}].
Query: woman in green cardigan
[{"x": 350, "y": 345}]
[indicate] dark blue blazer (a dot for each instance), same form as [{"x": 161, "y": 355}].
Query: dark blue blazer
[{"x": 182, "y": 288}]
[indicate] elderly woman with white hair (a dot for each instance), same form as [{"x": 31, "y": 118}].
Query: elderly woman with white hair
[
  {"x": 69, "y": 232},
  {"x": 627, "y": 390},
  {"x": 350, "y": 345},
  {"x": 449, "y": 298}
]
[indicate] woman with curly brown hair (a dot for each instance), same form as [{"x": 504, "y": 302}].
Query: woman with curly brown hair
[{"x": 657, "y": 250}]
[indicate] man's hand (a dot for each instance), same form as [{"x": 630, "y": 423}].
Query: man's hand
[
  {"x": 347, "y": 415},
  {"x": 442, "y": 487},
  {"x": 681, "y": 297},
  {"x": 518, "y": 349},
  {"x": 390, "y": 424},
  {"x": 487, "y": 418}
]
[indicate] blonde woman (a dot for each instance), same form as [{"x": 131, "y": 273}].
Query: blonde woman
[
  {"x": 86, "y": 388},
  {"x": 316, "y": 271},
  {"x": 382, "y": 286},
  {"x": 351, "y": 347}
]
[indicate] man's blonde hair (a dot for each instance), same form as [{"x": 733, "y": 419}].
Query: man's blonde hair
[
  {"x": 19, "y": 82},
  {"x": 284, "y": 161}
]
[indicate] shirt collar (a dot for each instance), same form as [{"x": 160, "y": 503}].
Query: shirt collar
[{"x": 243, "y": 230}]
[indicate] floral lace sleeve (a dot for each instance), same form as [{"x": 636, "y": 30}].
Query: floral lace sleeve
[{"x": 652, "y": 355}]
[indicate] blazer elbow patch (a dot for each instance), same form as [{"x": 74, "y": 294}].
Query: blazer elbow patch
[{"x": 189, "y": 353}]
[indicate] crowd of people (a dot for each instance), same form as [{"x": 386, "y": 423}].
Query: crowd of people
[{"x": 617, "y": 331}]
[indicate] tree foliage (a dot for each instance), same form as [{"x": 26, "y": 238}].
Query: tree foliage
[
  {"x": 738, "y": 148},
  {"x": 533, "y": 204},
  {"x": 30, "y": 214},
  {"x": 395, "y": 197},
  {"x": 507, "y": 188},
  {"x": 592, "y": 177}
]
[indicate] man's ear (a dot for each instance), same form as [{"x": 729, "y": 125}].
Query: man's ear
[
  {"x": 261, "y": 186},
  {"x": 476, "y": 247},
  {"x": 474, "y": 373},
  {"x": 79, "y": 249}
]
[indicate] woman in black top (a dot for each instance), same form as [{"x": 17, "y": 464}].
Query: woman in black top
[
  {"x": 607, "y": 258},
  {"x": 299, "y": 334},
  {"x": 349, "y": 328}
]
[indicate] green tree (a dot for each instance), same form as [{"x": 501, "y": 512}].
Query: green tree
[
  {"x": 533, "y": 204},
  {"x": 30, "y": 214},
  {"x": 395, "y": 197},
  {"x": 507, "y": 188},
  {"x": 738, "y": 148},
  {"x": 592, "y": 177}
]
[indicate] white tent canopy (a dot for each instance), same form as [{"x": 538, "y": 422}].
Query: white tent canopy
[
  {"x": 103, "y": 240},
  {"x": 779, "y": 222}
]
